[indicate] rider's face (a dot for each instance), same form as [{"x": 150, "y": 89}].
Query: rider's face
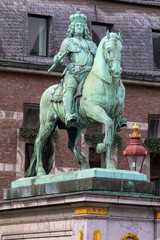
[{"x": 79, "y": 28}]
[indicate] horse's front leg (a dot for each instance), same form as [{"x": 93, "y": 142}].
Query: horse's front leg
[
  {"x": 108, "y": 163},
  {"x": 106, "y": 145},
  {"x": 99, "y": 115}
]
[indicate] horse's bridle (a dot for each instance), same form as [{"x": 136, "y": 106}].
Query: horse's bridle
[
  {"x": 97, "y": 76},
  {"x": 109, "y": 61}
]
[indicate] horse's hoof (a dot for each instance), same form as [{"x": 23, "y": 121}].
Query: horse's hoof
[
  {"x": 85, "y": 166},
  {"x": 41, "y": 173},
  {"x": 110, "y": 166},
  {"x": 100, "y": 148}
]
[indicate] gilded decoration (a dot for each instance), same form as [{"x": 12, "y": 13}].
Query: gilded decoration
[
  {"x": 91, "y": 210},
  {"x": 157, "y": 215},
  {"x": 135, "y": 134},
  {"x": 97, "y": 235},
  {"x": 129, "y": 235},
  {"x": 80, "y": 235}
]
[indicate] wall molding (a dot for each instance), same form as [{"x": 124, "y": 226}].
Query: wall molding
[
  {"x": 11, "y": 115},
  {"x": 6, "y": 167}
]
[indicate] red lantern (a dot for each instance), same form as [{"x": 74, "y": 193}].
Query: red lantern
[{"x": 135, "y": 153}]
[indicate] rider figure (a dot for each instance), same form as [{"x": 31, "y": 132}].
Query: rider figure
[{"x": 81, "y": 51}]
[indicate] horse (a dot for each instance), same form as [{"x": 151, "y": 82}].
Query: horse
[{"x": 101, "y": 102}]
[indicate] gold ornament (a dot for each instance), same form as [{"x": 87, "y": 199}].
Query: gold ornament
[
  {"x": 129, "y": 235},
  {"x": 80, "y": 235},
  {"x": 91, "y": 211},
  {"x": 97, "y": 235}
]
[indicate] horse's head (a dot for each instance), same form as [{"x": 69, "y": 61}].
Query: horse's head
[{"x": 113, "y": 52}]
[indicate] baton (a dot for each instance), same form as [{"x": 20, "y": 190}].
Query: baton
[
  {"x": 52, "y": 67},
  {"x": 57, "y": 63}
]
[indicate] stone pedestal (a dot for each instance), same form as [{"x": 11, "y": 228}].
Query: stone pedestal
[
  {"x": 95, "y": 179},
  {"x": 80, "y": 215},
  {"x": 80, "y": 209}
]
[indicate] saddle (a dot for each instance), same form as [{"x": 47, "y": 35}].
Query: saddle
[{"x": 57, "y": 95}]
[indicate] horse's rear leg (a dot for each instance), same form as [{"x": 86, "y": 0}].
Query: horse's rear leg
[
  {"x": 73, "y": 135},
  {"x": 99, "y": 115},
  {"x": 44, "y": 132}
]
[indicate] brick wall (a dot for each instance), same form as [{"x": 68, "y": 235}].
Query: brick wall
[{"x": 6, "y": 178}]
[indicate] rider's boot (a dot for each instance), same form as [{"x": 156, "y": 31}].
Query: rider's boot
[{"x": 68, "y": 101}]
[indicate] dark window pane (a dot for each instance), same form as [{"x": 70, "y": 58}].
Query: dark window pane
[
  {"x": 99, "y": 31},
  {"x": 31, "y": 115},
  {"x": 155, "y": 166},
  {"x": 94, "y": 158},
  {"x": 37, "y": 30},
  {"x": 28, "y": 154},
  {"x": 156, "y": 49},
  {"x": 154, "y": 126}
]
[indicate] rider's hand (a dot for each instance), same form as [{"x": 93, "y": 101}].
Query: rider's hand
[{"x": 57, "y": 58}]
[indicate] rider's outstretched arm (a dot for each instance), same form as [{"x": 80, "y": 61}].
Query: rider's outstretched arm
[{"x": 60, "y": 56}]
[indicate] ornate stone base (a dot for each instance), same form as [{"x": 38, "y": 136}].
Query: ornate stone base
[
  {"x": 81, "y": 216},
  {"x": 83, "y": 205}
]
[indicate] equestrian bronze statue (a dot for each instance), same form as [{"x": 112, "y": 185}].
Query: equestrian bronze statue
[{"x": 90, "y": 93}]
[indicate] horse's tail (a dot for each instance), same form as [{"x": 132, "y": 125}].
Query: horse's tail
[
  {"x": 47, "y": 156},
  {"x": 31, "y": 171}
]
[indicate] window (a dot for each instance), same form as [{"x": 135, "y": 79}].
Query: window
[
  {"x": 30, "y": 123},
  {"x": 37, "y": 34},
  {"x": 154, "y": 126},
  {"x": 156, "y": 49},
  {"x": 99, "y": 31},
  {"x": 31, "y": 115},
  {"x": 94, "y": 158},
  {"x": 154, "y": 132},
  {"x": 155, "y": 167},
  {"x": 29, "y": 148}
]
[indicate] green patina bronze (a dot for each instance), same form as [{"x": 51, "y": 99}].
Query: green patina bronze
[
  {"x": 81, "y": 51},
  {"x": 77, "y": 175},
  {"x": 91, "y": 92}
]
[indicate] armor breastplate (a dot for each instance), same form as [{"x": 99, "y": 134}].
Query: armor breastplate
[{"x": 80, "y": 53}]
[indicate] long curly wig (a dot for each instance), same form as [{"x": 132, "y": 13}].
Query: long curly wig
[{"x": 71, "y": 30}]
